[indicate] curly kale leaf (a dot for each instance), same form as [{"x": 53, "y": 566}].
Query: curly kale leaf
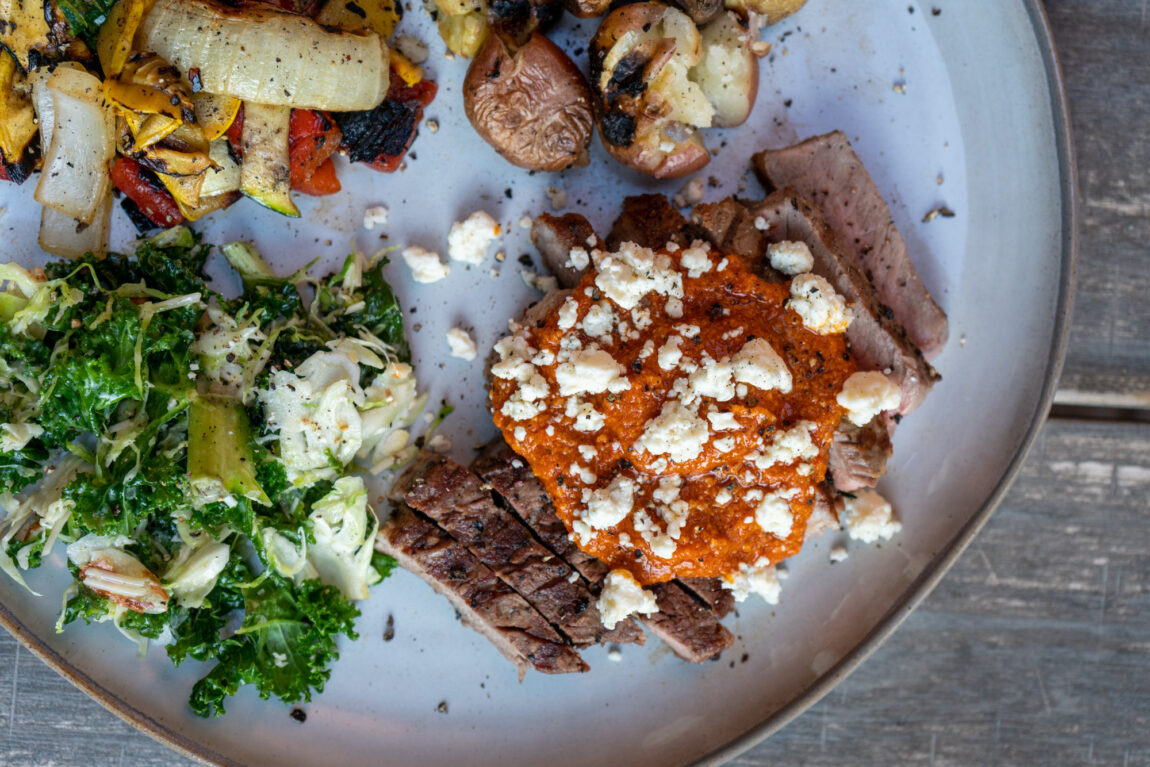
[
  {"x": 119, "y": 500},
  {"x": 380, "y": 314},
  {"x": 285, "y": 646},
  {"x": 171, "y": 262}
]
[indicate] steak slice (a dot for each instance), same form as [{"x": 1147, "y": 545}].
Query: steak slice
[
  {"x": 484, "y": 602},
  {"x": 730, "y": 227},
  {"x": 685, "y": 622},
  {"x": 711, "y": 591},
  {"x": 650, "y": 221},
  {"x": 456, "y": 500},
  {"x": 826, "y": 171},
  {"x": 556, "y": 236},
  {"x": 687, "y": 625},
  {"x": 858, "y": 454},
  {"x": 878, "y": 341},
  {"x": 823, "y": 517}
]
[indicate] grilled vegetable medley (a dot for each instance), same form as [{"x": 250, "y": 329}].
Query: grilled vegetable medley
[{"x": 192, "y": 460}]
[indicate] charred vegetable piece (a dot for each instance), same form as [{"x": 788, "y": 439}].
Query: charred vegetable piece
[
  {"x": 531, "y": 103},
  {"x": 149, "y": 85},
  {"x": 265, "y": 174},
  {"x": 312, "y": 139},
  {"x": 520, "y": 19},
  {"x": 379, "y": 16},
  {"x": 586, "y": 9},
  {"x": 17, "y": 117},
  {"x": 114, "y": 41},
  {"x": 700, "y": 11},
  {"x": 380, "y": 137},
  {"x": 25, "y": 31},
  {"x": 266, "y": 56},
  {"x": 141, "y": 187}
]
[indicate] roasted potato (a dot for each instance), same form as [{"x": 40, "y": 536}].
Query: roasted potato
[
  {"x": 728, "y": 71},
  {"x": 586, "y": 9},
  {"x": 700, "y": 11},
  {"x": 519, "y": 19},
  {"x": 647, "y": 106},
  {"x": 772, "y": 11},
  {"x": 530, "y": 102}
]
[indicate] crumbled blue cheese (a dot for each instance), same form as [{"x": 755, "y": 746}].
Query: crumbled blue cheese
[
  {"x": 790, "y": 257},
  {"x": 773, "y": 514},
  {"x": 821, "y": 309},
  {"x": 838, "y": 554},
  {"x": 696, "y": 259},
  {"x": 632, "y": 272},
  {"x": 610, "y": 505},
  {"x": 866, "y": 394},
  {"x": 599, "y": 320},
  {"x": 868, "y": 517},
  {"x": 373, "y": 216},
  {"x": 591, "y": 371},
  {"x": 515, "y": 356},
  {"x": 759, "y": 578},
  {"x": 587, "y": 418},
  {"x": 468, "y": 239},
  {"x": 670, "y": 353},
  {"x": 722, "y": 421},
  {"x": 677, "y": 432},
  {"x": 461, "y": 344},
  {"x": 568, "y": 314},
  {"x": 425, "y": 265},
  {"x": 759, "y": 365},
  {"x": 787, "y": 447},
  {"x": 623, "y": 596}
]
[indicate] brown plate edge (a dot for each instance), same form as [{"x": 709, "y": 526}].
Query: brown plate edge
[
  {"x": 933, "y": 574},
  {"x": 918, "y": 591}
]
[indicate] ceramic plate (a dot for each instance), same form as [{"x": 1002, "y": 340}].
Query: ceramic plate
[{"x": 958, "y": 104}]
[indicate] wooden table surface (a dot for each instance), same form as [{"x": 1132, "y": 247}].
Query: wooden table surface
[{"x": 1035, "y": 650}]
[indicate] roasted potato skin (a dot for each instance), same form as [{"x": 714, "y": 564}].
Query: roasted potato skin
[
  {"x": 587, "y": 9},
  {"x": 633, "y": 120},
  {"x": 519, "y": 19},
  {"x": 700, "y": 11},
  {"x": 773, "y": 10},
  {"x": 530, "y": 102}
]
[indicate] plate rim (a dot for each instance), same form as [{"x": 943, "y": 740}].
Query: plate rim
[
  {"x": 933, "y": 574},
  {"x": 911, "y": 597}
]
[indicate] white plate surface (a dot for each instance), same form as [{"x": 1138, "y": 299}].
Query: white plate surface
[{"x": 977, "y": 129}]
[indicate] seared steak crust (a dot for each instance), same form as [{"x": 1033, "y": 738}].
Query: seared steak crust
[
  {"x": 650, "y": 221},
  {"x": 484, "y": 602},
  {"x": 826, "y": 171},
  {"x": 457, "y": 501},
  {"x": 556, "y": 236},
  {"x": 859, "y": 454},
  {"x": 685, "y": 622},
  {"x": 877, "y": 339}
]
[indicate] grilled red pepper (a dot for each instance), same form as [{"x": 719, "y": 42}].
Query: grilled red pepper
[
  {"x": 153, "y": 199},
  {"x": 312, "y": 139},
  {"x": 235, "y": 134},
  {"x": 3, "y": 172},
  {"x": 380, "y": 137}
]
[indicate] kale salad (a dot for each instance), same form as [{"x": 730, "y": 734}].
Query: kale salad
[{"x": 195, "y": 460}]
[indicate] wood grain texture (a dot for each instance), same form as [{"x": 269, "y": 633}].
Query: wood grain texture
[{"x": 1104, "y": 47}]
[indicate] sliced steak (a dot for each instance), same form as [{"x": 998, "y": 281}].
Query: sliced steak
[
  {"x": 556, "y": 236},
  {"x": 826, "y": 171},
  {"x": 730, "y": 227},
  {"x": 687, "y": 625},
  {"x": 684, "y": 622},
  {"x": 878, "y": 341},
  {"x": 484, "y": 602},
  {"x": 650, "y": 221},
  {"x": 858, "y": 454},
  {"x": 456, "y": 500},
  {"x": 711, "y": 591}
]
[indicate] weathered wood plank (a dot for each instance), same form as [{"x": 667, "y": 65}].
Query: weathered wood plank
[
  {"x": 1035, "y": 649},
  {"x": 1104, "y": 46}
]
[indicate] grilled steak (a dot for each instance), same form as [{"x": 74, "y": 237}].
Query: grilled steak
[
  {"x": 878, "y": 341},
  {"x": 484, "y": 602},
  {"x": 650, "y": 221},
  {"x": 826, "y": 171},
  {"x": 456, "y": 500},
  {"x": 556, "y": 236},
  {"x": 730, "y": 227},
  {"x": 858, "y": 455},
  {"x": 823, "y": 517},
  {"x": 711, "y": 591},
  {"x": 687, "y": 625},
  {"x": 685, "y": 622}
]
